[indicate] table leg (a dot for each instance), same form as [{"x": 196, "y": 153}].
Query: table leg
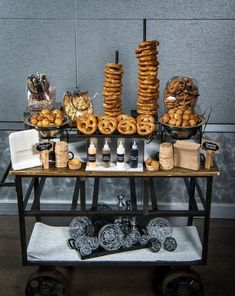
[
  {"x": 82, "y": 194},
  {"x": 133, "y": 194},
  {"x": 95, "y": 194},
  {"x": 75, "y": 194},
  {"x": 145, "y": 196},
  {"x": 191, "y": 199},
  {"x": 207, "y": 219},
  {"x": 19, "y": 191}
]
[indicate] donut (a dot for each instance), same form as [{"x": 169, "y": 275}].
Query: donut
[
  {"x": 126, "y": 127},
  {"x": 87, "y": 124}
]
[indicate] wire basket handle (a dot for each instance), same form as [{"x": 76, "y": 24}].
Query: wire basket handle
[{"x": 209, "y": 110}]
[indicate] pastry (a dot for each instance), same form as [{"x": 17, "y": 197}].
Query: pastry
[{"x": 87, "y": 124}]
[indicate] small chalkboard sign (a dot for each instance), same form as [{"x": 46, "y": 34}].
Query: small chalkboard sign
[
  {"x": 44, "y": 148},
  {"x": 210, "y": 145},
  {"x": 211, "y": 148}
]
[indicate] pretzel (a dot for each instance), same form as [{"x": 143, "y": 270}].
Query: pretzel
[
  {"x": 113, "y": 71},
  {"x": 146, "y": 129},
  {"x": 126, "y": 117},
  {"x": 113, "y": 66},
  {"x": 148, "y": 42},
  {"x": 149, "y": 63},
  {"x": 87, "y": 124},
  {"x": 107, "y": 125},
  {"x": 148, "y": 58},
  {"x": 126, "y": 127},
  {"x": 145, "y": 53},
  {"x": 146, "y": 112},
  {"x": 148, "y": 106}
]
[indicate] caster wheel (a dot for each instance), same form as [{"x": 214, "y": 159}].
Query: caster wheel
[
  {"x": 45, "y": 284},
  {"x": 182, "y": 283}
]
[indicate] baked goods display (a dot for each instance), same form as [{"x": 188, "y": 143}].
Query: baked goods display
[
  {"x": 112, "y": 90},
  {"x": 181, "y": 117},
  {"x": 166, "y": 158},
  {"x": 152, "y": 165},
  {"x": 47, "y": 118},
  {"x": 40, "y": 93},
  {"x": 180, "y": 91},
  {"x": 148, "y": 83},
  {"x": 144, "y": 125},
  {"x": 76, "y": 104}
]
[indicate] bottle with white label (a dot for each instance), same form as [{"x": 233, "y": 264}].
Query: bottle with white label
[
  {"x": 106, "y": 155},
  {"x": 134, "y": 156},
  {"x": 120, "y": 155},
  {"x": 92, "y": 155}
]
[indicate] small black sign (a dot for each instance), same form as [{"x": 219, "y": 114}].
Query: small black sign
[
  {"x": 44, "y": 146},
  {"x": 209, "y": 145}
]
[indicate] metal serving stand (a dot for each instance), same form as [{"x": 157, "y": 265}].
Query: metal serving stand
[{"x": 150, "y": 207}]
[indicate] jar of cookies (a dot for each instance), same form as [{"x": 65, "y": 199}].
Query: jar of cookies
[
  {"x": 77, "y": 103},
  {"x": 40, "y": 93},
  {"x": 181, "y": 91}
]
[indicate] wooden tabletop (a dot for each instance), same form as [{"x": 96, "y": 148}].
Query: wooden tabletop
[{"x": 55, "y": 172}]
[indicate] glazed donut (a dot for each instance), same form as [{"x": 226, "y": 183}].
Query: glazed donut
[
  {"x": 87, "y": 124},
  {"x": 107, "y": 125},
  {"x": 126, "y": 127}
]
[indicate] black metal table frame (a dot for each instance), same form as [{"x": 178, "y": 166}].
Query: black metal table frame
[{"x": 148, "y": 190}]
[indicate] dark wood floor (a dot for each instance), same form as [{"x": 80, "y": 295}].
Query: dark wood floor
[{"x": 218, "y": 276}]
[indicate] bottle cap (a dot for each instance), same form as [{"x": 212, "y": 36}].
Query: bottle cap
[
  {"x": 106, "y": 145},
  {"x": 134, "y": 146},
  {"x": 120, "y": 145},
  {"x": 92, "y": 145}
]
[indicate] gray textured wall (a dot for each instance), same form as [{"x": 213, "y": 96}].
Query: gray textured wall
[{"x": 196, "y": 38}]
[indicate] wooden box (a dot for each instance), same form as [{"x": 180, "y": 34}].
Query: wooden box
[{"x": 187, "y": 155}]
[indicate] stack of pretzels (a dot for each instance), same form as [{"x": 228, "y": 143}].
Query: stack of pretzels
[
  {"x": 112, "y": 89},
  {"x": 148, "y": 83}
]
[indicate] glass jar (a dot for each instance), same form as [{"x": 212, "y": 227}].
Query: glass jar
[
  {"x": 181, "y": 91},
  {"x": 77, "y": 103},
  {"x": 40, "y": 93}
]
